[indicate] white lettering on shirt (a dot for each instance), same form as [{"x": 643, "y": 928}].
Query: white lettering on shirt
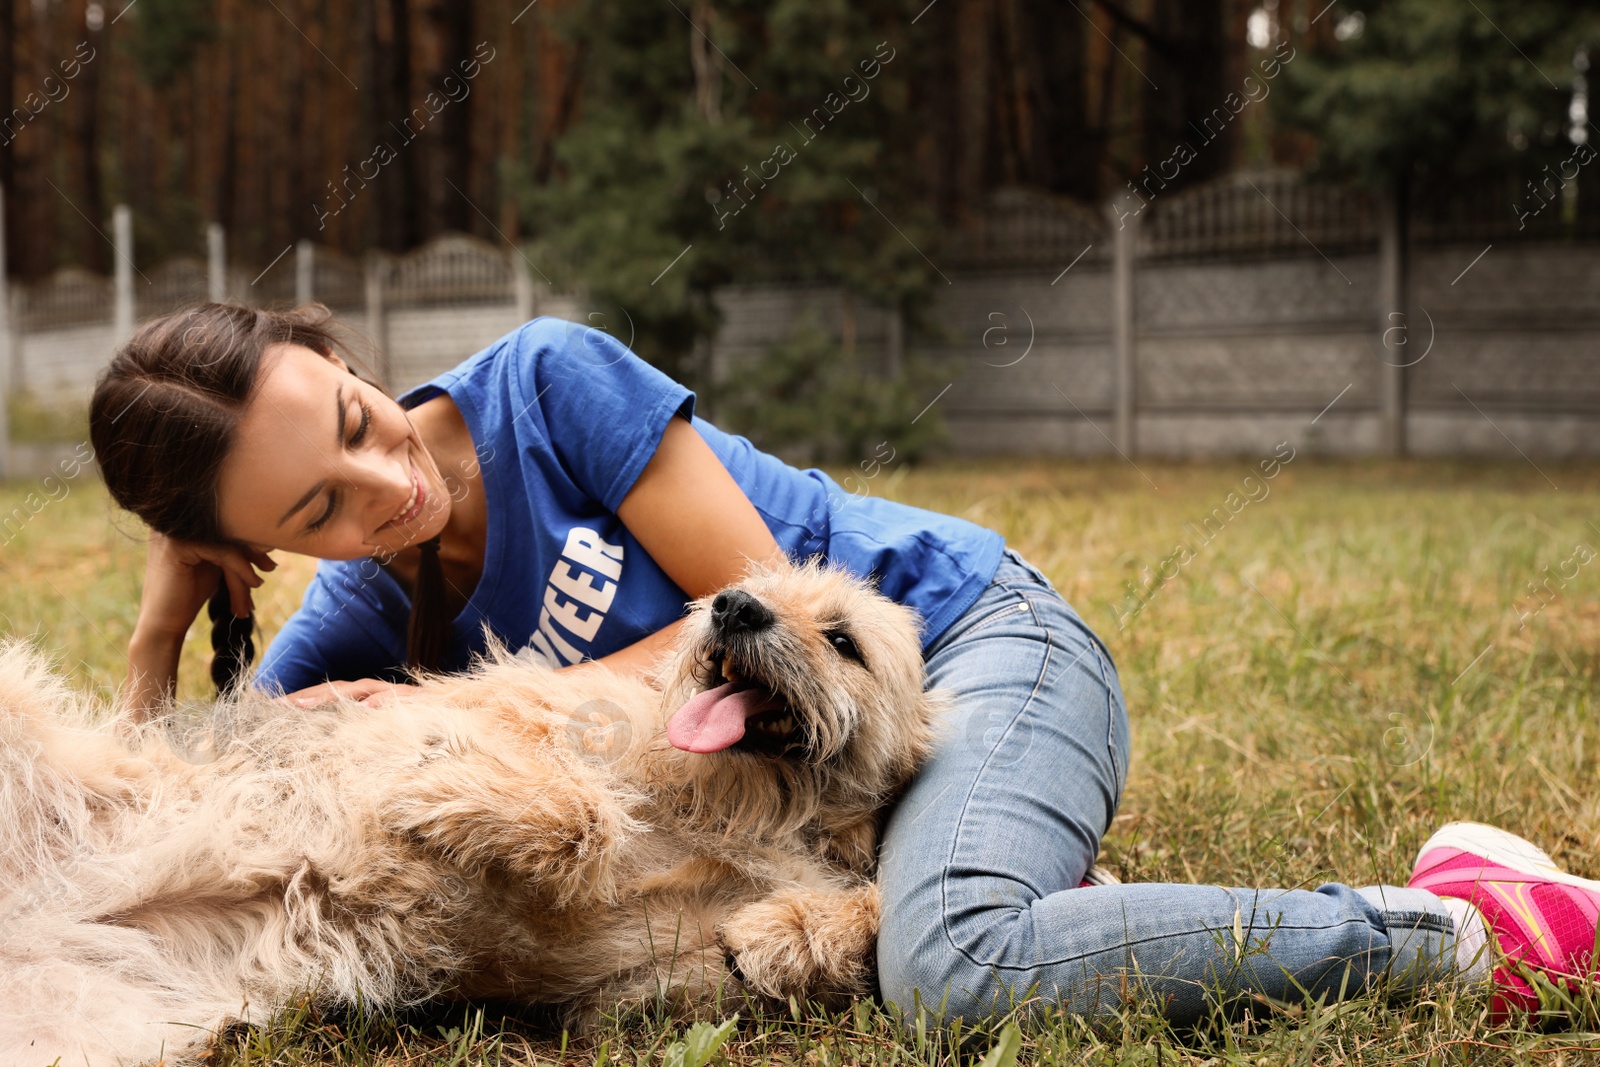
[
  {"x": 568, "y": 615},
  {"x": 547, "y": 634},
  {"x": 576, "y": 601},
  {"x": 577, "y": 585},
  {"x": 585, "y": 548}
]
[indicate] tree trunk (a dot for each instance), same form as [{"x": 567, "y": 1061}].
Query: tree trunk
[
  {"x": 704, "y": 61},
  {"x": 932, "y": 83},
  {"x": 225, "y": 196},
  {"x": 569, "y": 86},
  {"x": 406, "y": 232},
  {"x": 454, "y": 141},
  {"x": 91, "y": 183},
  {"x": 1186, "y": 57},
  {"x": 369, "y": 119},
  {"x": 1055, "y": 130},
  {"x": 973, "y": 125},
  {"x": 297, "y": 195},
  {"x": 8, "y": 72},
  {"x": 512, "y": 91}
]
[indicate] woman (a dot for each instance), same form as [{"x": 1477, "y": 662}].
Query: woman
[{"x": 558, "y": 492}]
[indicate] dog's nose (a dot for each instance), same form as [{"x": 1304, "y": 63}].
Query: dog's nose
[{"x": 736, "y": 612}]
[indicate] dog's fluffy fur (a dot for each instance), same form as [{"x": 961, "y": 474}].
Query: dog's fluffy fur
[{"x": 512, "y": 833}]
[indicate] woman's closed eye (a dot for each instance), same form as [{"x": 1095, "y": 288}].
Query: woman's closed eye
[
  {"x": 327, "y": 516},
  {"x": 356, "y": 438},
  {"x": 363, "y": 426}
]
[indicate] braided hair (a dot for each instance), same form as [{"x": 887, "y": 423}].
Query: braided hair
[
  {"x": 162, "y": 419},
  {"x": 232, "y": 644}
]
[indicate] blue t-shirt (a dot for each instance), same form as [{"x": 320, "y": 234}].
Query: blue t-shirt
[{"x": 564, "y": 419}]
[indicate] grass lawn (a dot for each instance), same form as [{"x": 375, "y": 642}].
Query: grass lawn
[{"x": 1350, "y": 660}]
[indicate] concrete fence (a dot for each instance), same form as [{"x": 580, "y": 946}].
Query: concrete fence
[
  {"x": 1232, "y": 316},
  {"x": 1220, "y": 320}
]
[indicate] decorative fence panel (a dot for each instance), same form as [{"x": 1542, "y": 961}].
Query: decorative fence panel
[
  {"x": 174, "y": 284},
  {"x": 1259, "y": 215},
  {"x": 1228, "y": 317}
]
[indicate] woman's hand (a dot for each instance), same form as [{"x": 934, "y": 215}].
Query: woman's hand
[
  {"x": 179, "y": 577},
  {"x": 369, "y": 691}
]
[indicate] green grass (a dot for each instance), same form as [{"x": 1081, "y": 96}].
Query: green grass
[
  {"x": 1310, "y": 696},
  {"x": 36, "y": 419}
]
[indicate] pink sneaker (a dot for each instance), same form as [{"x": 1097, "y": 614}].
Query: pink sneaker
[{"x": 1542, "y": 919}]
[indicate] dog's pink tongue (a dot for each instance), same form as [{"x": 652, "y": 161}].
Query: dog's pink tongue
[{"x": 713, "y": 720}]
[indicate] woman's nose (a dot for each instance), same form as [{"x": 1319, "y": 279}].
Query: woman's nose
[{"x": 384, "y": 481}]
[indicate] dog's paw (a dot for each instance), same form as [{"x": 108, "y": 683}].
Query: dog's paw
[
  {"x": 805, "y": 943},
  {"x": 568, "y": 841},
  {"x": 556, "y": 826}
]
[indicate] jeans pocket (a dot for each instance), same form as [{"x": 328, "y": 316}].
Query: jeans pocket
[{"x": 1000, "y": 614}]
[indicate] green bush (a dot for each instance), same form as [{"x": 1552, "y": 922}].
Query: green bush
[{"x": 810, "y": 400}]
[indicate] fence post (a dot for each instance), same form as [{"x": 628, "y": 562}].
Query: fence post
[
  {"x": 1392, "y": 297},
  {"x": 216, "y": 263},
  {"x": 305, "y": 265},
  {"x": 122, "y": 301},
  {"x": 522, "y": 286},
  {"x": 6, "y": 351},
  {"x": 1124, "y": 246},
  {"x": 372, "y": 284}
]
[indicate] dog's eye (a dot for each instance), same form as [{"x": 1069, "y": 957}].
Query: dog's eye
[{"x": 844, "y": 646}]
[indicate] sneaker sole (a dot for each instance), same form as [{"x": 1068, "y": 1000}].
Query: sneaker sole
[
  {"x": 1098, "y": 875},
  {"x": 1505, "y": 849}
]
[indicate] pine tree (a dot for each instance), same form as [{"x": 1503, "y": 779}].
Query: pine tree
[
  {"x": 727, "y": 140},
  {"x": 1404, "y": 91}
]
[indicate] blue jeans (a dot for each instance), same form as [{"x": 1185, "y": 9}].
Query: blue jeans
[{"x": 982, "y": 858}]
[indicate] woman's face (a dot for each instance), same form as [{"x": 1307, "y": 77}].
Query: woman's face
[{"x": 325, "y": 465}]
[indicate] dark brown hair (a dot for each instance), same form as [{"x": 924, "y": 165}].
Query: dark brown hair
[{"x": 162, "y": 419}]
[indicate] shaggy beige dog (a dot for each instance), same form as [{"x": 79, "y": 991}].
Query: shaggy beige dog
[{"x": 577, "y": 839}]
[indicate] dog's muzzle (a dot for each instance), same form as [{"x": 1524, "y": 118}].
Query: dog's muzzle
[{"x": 738, "y": 707}]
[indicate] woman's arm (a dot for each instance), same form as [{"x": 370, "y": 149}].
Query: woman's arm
[
  {"x": 637, "y": 657},
  {"x": 696, "y": 523},
  {"x": 692, "y": 517},
  {"x": 152, "y": 679},
  {"x": 179, "y": 577}
]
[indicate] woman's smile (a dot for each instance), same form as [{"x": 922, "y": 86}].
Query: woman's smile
[
  {"x": 413, "y": 505},
  {"x": 415, "y": 517}
]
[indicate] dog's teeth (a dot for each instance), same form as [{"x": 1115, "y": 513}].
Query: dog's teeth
[
  {"x": 775, "y": 727},
  {"x": 727, "y": 670}
]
